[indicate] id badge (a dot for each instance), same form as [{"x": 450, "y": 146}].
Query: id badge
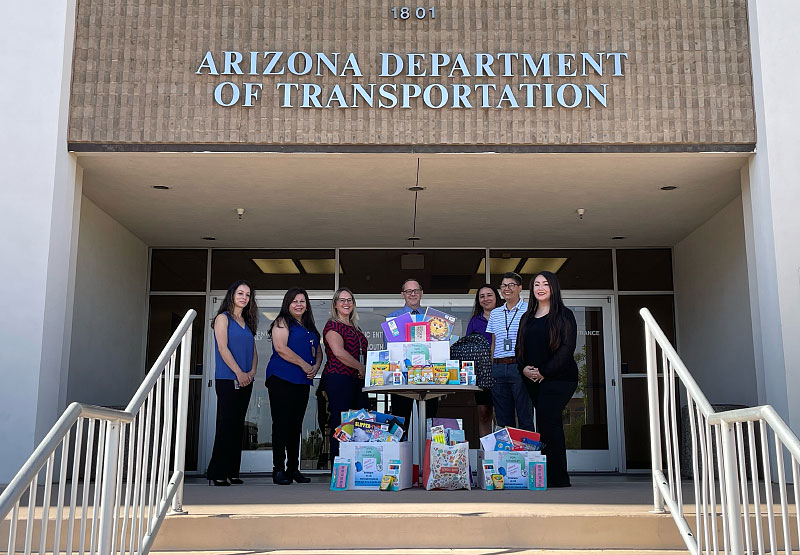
[
  {"x": 361, "y": 356},
  {"x": 508, "y": 345},
  {"x": 313, "y": 351}
]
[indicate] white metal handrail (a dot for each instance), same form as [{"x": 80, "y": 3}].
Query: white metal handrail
[
  {"x": 737, "y": 510},
  {"x": 138, "y": 459}
]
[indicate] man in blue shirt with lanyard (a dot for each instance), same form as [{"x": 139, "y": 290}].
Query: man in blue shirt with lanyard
[
  {"x": 508, "y": 392},
  {"x": 411, "y": 289}
]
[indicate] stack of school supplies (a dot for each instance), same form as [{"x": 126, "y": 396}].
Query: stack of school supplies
[
  {"x": 447, "y": 431},
  {"x": 511, "y": 439},
  {"x": 369, "y": 426}
]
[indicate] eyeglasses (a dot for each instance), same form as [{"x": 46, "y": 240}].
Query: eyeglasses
[
  {"x": 346, "y": 301},
  {"x": 412, "y": 291},
  {"x": 508, "y": 285}
]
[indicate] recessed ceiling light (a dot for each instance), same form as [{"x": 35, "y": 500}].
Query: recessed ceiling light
[
  {"x": 161, "y": 187},
  {"x": 416, "y": 188},
  {"x": 669, "y": 187},
  {"x": 209, "y": 238},
  {"x": 618, "y": 237},
  {"x": 414, "y": 238}
]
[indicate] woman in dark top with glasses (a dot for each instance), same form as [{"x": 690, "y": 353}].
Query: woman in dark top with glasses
[
  {"x": 296, "y": 357},
  {"x": 546, "y": 358},
  {"x": 346, "y": 351}
]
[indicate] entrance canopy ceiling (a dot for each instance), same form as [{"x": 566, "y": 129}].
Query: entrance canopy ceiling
[{"x": 362, "y": 200}]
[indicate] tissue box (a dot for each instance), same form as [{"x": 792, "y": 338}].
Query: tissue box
[{"x": 370, "y": 462}]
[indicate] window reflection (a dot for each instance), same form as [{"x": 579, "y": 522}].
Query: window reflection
[
  {"x": 575, "y": 268},
  {"x": 585, "y": 419}
]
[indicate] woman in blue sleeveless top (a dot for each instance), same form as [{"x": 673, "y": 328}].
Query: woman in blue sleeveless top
[
  {"x": 296, "y": 358},
  {"x": 235, "y": 367}
]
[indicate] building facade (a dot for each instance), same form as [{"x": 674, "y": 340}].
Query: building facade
[{"x": 153, "y": 152}]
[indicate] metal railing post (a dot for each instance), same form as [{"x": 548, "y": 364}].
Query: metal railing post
[
  {"x": 731, "y": 488},
  {"x": 655, "y": 423},
  {"x": 109, "y": 488},
  {"x": 180, "y": 428}
]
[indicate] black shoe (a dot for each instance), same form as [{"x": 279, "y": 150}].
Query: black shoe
[
  {"x": 235, "y": 481},
  {"x": 281, "y": 478},
  {"x": 219, "y": 482},
  {"x": 298, "y": 477}
]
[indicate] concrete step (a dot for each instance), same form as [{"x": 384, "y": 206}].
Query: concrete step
[
  {"x": 598, "y": 513},
  {"x": 493, "y": 551}
]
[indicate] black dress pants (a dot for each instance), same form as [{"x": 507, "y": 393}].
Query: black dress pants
[
  {"x": 226, "y": 457},
  {"x": 549, "y": 399},
  {"x": 344, "y": 393},
  {"x": 287, "y": 405}
]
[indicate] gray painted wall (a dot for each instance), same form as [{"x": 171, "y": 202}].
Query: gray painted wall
[
  {"x": 107, "y": 356},
  {"x": 713, "y": 308}
]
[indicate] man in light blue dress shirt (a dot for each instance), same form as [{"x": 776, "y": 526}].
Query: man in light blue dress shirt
[
  {"x": 412, "y": 295},
  {"x": 411, "y": 289},
  {"x": 512, "y": 405}
]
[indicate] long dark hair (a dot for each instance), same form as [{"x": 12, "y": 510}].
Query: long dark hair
[
  {"x": 478, "y": 309},
  {"x": 306, "y": 320},
  {"x": 249, "y": 312},
  {"x": 557, "y": 317}
]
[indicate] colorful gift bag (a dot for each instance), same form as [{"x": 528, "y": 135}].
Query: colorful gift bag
[{"x": 449, "y": 467}]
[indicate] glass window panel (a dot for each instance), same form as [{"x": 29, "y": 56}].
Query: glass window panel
[
  {"x": 439, "y": 270},
  {"x": 274, "y": 269},
  {"x": 637, "y": 423},
  {"x": 178, "y": 270},
  {"x": 585, "y": 416},
  {"x": 166, "y": 312},
  {"x": 576, "y": 269},
  {"x": 258, "y": 421},
  {"x": 192, "y": 423},
  {"x": 644, "y": 269},
  {"x": 631, "y": 327}
]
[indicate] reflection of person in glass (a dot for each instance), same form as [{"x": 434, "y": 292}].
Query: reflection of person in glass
[
  {"x": 346, "y": 349},
  {"x": 545, "y": 356},
  {"x": 296, "y": 357},
  {"x": 236, "y": 361},
  {"x": 486, "y": 300}
]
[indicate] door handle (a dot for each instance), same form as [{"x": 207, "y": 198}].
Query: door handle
[
  {"x": 613, "y": 382},
  {"x": 209, "y": 383}
]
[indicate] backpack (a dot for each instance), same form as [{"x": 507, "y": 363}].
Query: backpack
[{"x": 475, "y": 347}]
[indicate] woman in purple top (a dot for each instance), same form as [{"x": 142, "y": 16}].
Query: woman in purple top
[{"x": 486, "y": 300}]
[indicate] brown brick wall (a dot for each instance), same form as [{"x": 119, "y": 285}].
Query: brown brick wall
[{"x": 687, "y": 79}]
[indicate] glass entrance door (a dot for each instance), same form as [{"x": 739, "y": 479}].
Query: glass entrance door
[
  {"x": 591, "y": 416},
  {"x": 590, "y": 419}
]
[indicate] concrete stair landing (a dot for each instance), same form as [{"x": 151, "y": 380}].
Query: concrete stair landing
[{"x": 599, "y": 514}]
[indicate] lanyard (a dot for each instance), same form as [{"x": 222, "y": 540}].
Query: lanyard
[{"x": 505, "y": 316}]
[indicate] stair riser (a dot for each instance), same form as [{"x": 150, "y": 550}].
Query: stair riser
[{"x": 449, "y": 531}]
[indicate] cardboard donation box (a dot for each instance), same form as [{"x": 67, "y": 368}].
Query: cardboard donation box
[
  {"x": 371, "y": 461},
  {"x": 519, "y": 469}
]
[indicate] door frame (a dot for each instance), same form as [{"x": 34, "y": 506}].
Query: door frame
[{"x": 588, "y": 460}]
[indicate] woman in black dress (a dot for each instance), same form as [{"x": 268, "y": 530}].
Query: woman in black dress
[{"x": 545, "y": 356}]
